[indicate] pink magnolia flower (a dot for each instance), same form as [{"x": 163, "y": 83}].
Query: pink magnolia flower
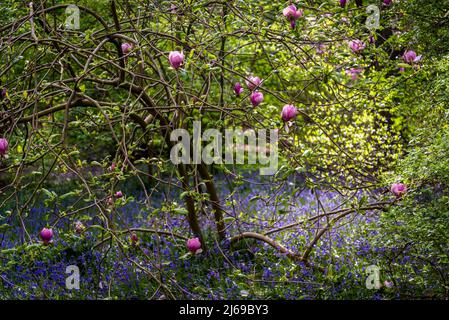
[
  {"x": 253, "y": 82},
  {"x": 193, "y": 245},
  {"x": 398, "y": 189},
  {"x": 79, "y": 227},
  {"x": 118, "y": 194},
  {"x": 134, "y": 238},
  {"x": 46, "y": 235},
  {"x": 288, "y": 112},
  {"x": 126, "y": 47},
  {"x": 343, "y": 3},
  {"x": 356, "y": 45},
  {"x": 238, "y": 89},
  {"x": 291, "y": 13},
  {"x": 176, "y": 59},
  {"x": 256, "y": 98},
  {"x": 354, "y": 73},
  {"x": 3, "y": 146},
  {"x": 410, "y": 57}
]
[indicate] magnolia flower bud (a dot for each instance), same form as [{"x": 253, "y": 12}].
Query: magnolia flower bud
[
  {"x": 293, "y": 24},
  {"x": 238, "y": 89},
  {"x": 256, "y": 98},
  {"x": 193, "y": 245},
  {"x": 288, "y": 112},
  {"x": 3, "y": 146},
  {"x": 46, "y": 235},
  {"x": 176, "y": 59},
  {"x": 253, "y": 82},
  {"x": 118, "y": 194},
  {"x": 126, "y": 48}
]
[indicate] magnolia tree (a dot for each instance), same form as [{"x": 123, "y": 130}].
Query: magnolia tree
[{"x": 169, "y": 95}]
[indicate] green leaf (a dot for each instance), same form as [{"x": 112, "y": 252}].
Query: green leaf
[{"x": 4, "y": 227}]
